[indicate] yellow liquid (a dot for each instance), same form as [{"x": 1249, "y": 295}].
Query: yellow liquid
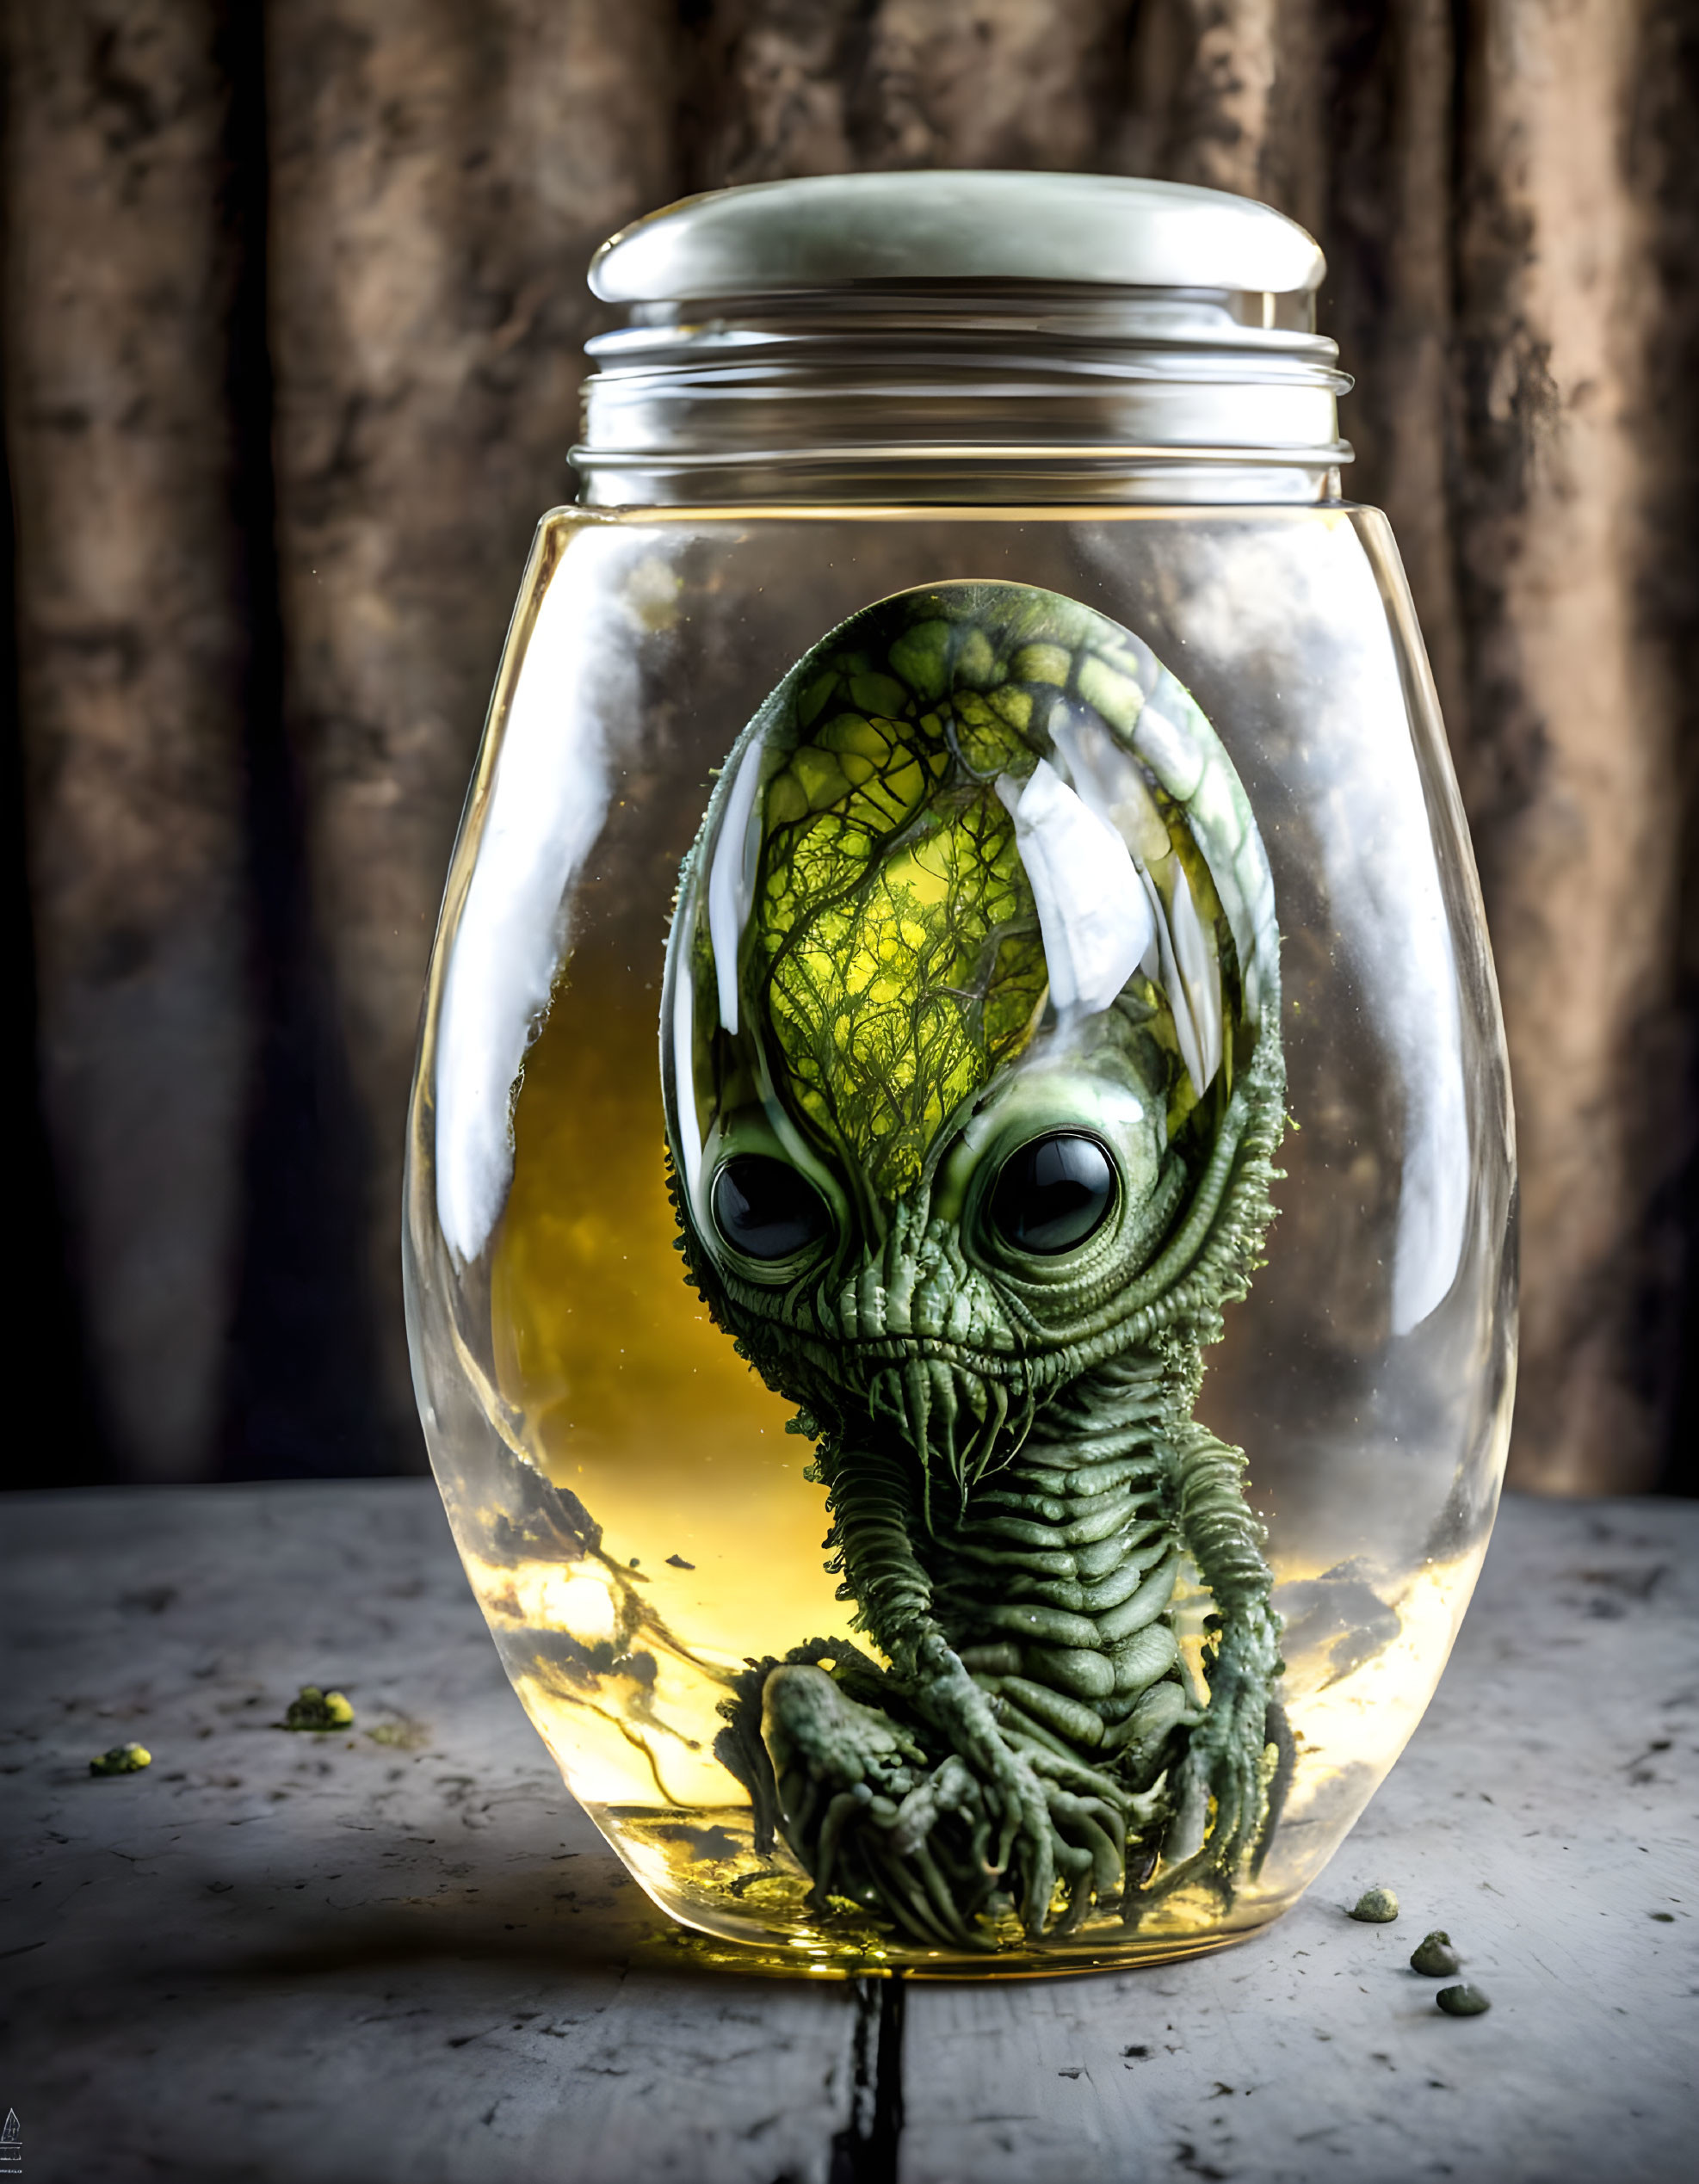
[{"x": 624, "y": 1393}]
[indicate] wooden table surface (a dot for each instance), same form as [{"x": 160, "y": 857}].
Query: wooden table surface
[{"x": 407, "y": 1955}]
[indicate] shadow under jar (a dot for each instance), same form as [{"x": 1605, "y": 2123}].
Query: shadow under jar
[{"x": 959, "y": 1219}]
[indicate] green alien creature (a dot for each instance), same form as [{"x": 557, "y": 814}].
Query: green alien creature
[{"x": 971, "y": 1041}]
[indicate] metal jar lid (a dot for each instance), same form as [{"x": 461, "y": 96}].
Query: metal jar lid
[
  {"x": 1103, "y": 337},
  {"x": 826, "y": 230}
]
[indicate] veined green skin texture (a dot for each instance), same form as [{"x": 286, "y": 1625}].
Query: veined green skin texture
[{"x": 861, "y": 987}]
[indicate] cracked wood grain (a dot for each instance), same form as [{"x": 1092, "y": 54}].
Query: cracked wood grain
[{"x": 308, "y": 1958}]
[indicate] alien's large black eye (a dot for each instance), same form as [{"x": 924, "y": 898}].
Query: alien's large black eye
[
  {"x": 1053, "y": 1193},
  {"x": 764, "y": 1209}
]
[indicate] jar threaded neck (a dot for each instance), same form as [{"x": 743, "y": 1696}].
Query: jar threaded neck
[{"x": 935, "y": 391}]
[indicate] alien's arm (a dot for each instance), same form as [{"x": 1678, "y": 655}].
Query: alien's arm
[
  {"x": 873, "y": 1509},
  {"x": 1226, "y": 1760}
]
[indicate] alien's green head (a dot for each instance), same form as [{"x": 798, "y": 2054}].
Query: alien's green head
[{"x": 972, "y": 1000}]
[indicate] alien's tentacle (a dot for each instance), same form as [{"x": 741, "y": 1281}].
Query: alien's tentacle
[{"x": 1229, "y": 1763}]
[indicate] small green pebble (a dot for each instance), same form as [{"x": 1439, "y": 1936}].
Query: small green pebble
[
  {"x": 123, "y": 1759},
  {"x": 1375, "y": 1907},
  {"x": 318, "y": 1710},
  {"x": 1463, "y": 2001},
  {"x": 1434, "y": 1957},
  {"x": 404, "y": 1734}
]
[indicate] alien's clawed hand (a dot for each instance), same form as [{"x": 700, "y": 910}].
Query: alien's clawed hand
[
  {"x": 933, "y": 1843},
  {"x": 1042, "y": 1833},
  {"x": 1231, "y": 1781}
]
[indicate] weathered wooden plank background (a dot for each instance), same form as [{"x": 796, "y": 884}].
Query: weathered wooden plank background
[{"x": 293, "y": 308}]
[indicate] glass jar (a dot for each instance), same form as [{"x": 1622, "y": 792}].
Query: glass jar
[{"x": 960, "y": 1217}]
